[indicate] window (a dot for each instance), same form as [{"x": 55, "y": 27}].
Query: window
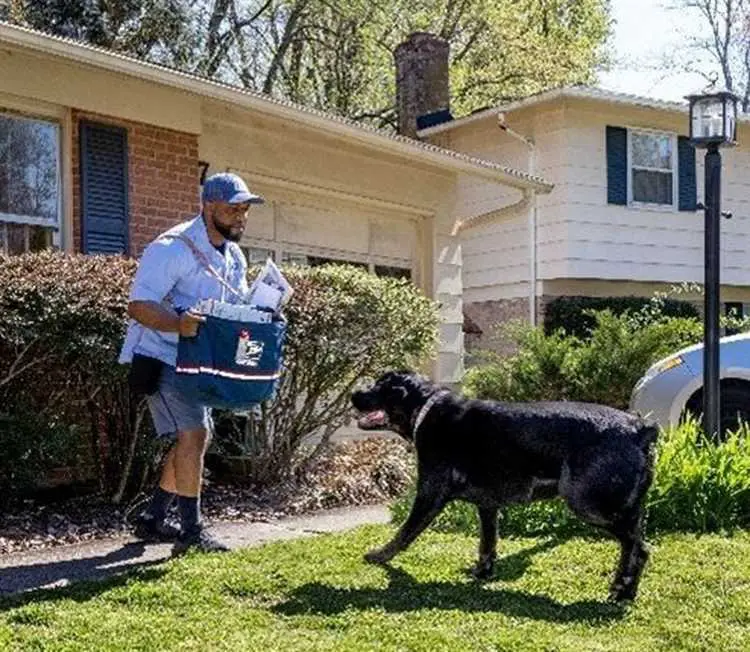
[
  {"x": 396, "y": 268},
  {"x": 393, "y": 272},
  {"x": 257, "y": 255},
  {"x": 652, "y": 168},
  {"x": 294, "y": 259},
  {"x": 317, "y": 261},
  {"x": 29, "y": 183}
]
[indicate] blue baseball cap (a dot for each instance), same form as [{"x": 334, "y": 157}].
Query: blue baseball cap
[{"x": 229, "y": 188}]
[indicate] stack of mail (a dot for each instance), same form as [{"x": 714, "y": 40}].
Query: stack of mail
[
  {"x": 270, "y": 290},
  {"x": 233, "y": 311}
]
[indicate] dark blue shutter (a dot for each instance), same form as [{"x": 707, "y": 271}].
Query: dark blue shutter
[
  {"x": 104, "y": 189},
  {"x": 617, "y": 165},
  {"x": 686, "y": 166}
]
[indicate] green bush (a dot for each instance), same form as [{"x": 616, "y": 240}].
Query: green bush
[
  {"x": 575, "y": 315},
  {"x": 620, "y": 350},
  {"x": 33, "y": 447},
  {"x": 345, "y": 325},
  {"x": 542, "y": 368},
  {"x": 602, "y": 368},
  {"x": 699, "y": 486},
  {"x": 62, "y": 322}
]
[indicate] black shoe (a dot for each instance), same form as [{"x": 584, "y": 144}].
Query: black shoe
[
  {"x": 148, "y": 528},
  {"x": 197, "y": 539}
]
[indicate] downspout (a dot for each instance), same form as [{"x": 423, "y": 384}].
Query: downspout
[
  {"x": 532, "y": 220},
  {"x": 532, "y": 241},
  {"x": 529, "y": 200},
  {"x": 491, "y": 216}
]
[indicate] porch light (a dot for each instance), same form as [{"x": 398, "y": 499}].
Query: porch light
[{"x": 713, "y": 118}]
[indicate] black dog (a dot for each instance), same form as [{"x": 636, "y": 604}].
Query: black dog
[{"x": 491, "y": 454}]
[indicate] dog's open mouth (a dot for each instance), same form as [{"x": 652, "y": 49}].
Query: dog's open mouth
[{"x": 374, "y": 420}]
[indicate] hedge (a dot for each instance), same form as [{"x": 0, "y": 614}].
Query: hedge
[
  {"x": 62, "y": 322},
  {"x": 570, "y": 313}
]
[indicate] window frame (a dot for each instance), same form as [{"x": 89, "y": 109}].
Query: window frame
[
  {"x": 674, "y": 206},
  {"x": 56, "y": 231},
  {"x": 370, "y": 261}
]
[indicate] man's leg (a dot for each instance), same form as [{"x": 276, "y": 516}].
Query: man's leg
[
  {"x": 189, "y": 425},
  {"x": 168, "y": 481},
  {"x": 151, "y": 523},
  {"x": 188, "y": 466}
]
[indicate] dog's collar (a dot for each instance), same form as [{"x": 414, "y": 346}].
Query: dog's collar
[{"x": 425, "y": 409}]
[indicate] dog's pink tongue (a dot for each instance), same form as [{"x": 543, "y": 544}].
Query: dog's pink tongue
[{"x": 372, "y": 420}]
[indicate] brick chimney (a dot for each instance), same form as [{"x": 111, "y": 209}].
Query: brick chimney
[{"x": 422, "y": 82}]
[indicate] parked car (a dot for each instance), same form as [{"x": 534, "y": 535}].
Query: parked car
[{"x": 674, "y": 386}]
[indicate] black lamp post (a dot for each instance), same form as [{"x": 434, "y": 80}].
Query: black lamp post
[{"x": 713, "y": 124}]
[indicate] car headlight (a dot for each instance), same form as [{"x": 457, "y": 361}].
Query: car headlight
[
  {"x": 668, "y": 364},
  {"x": 657, "y": 369}
]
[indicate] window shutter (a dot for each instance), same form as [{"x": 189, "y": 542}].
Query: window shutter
[
  {"x": 104, "y": 189},
  {"x": 686, "y": 165},
  {"x": 617, "y": 165}
]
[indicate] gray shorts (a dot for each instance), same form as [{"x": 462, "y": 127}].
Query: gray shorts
[{"x": 172, "y": 411}]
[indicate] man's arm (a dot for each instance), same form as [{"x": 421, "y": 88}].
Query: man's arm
[
  {"x": 159, "y": 269},
  {"x": 157, "y": 317}
]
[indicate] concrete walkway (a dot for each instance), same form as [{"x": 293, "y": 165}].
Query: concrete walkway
[{"x": 96, "y": 560}]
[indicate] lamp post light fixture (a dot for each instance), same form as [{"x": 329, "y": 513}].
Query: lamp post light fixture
[{"x": 713, "y": 124}]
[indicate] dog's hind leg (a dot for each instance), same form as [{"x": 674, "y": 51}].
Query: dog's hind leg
[
  {"x": 629, "y": 531},
  {"x": 431, "y": 497},
  {"x": 608, "y": 491},
  {"x": 633, "y": 557},
  {"x": 487, "y": 543}
]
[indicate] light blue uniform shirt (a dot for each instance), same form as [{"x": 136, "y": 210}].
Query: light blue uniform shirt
[{"x": 169, "y": 266}]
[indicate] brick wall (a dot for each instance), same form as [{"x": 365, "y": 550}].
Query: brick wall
[
  {"x": 163, "y": 179},
  {"x": 422, "y": 82},
  {"x": 483, "y": 317},
  {"x": 487, "y": 315}
]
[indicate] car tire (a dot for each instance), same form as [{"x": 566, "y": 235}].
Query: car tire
[{"x": 735, "y": 407}]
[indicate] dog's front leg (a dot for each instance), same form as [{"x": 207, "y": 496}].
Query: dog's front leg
[
  {"x": 487, "y": 543},
  {"x": 430, "y": 499}
]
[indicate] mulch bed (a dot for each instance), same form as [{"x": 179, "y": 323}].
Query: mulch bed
[{"x": 366, "y": 472}]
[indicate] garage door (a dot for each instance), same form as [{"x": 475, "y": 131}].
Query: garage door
[{"x": 306, "y": 234}]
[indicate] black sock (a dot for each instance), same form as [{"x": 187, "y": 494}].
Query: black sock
[
  {"x": 190, "y": 517},
  {"x": 159, "y": 504}
]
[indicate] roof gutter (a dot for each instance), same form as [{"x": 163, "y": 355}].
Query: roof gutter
[
  {"x": 113, "y": 61},
  {"x": 493, "y": 111},
  {"x": 584, "y": 92},
  {"x": 492, "y": 216}
]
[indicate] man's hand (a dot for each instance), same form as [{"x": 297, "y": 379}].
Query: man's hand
[{"x": 189, "y": 322}]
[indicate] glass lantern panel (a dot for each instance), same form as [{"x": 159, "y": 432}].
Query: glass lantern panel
[{"x": 708, "y": 118}]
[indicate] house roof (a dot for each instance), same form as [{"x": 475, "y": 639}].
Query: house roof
[
  {"x": 336, "y": 125},
  {"x": 580, "y": 92}
]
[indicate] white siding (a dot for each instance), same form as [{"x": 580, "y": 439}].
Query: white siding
[
  {"x": 637, "y": 243},
  {"x": 496, "y": 256},
  {"x": 580, "y": 235}
]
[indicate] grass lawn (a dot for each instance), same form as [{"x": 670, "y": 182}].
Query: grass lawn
[{"x": 317, "y": 594}]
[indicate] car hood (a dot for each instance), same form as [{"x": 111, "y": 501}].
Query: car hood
[{"x": 728, "y": 344}]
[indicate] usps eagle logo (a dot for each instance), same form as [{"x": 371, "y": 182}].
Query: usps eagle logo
[{"x": 249, "y": 351}]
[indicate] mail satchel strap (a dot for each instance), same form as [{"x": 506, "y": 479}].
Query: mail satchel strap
[{"x": 203, "y": 259}]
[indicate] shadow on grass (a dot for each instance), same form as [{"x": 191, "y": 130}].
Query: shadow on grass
[
  {"x": 512, "y": 567},
  {"x": 89, "y": 577},
  {"x": 405, "y": 594}
]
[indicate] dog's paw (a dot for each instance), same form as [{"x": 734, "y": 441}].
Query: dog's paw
[
  {"x": 621, "y": 592},
  {"x": 482, "y": 570},
  {"x": 378, "y": 556}
]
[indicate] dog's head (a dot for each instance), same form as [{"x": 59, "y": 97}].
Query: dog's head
[{"x": 393, "y": 402}]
